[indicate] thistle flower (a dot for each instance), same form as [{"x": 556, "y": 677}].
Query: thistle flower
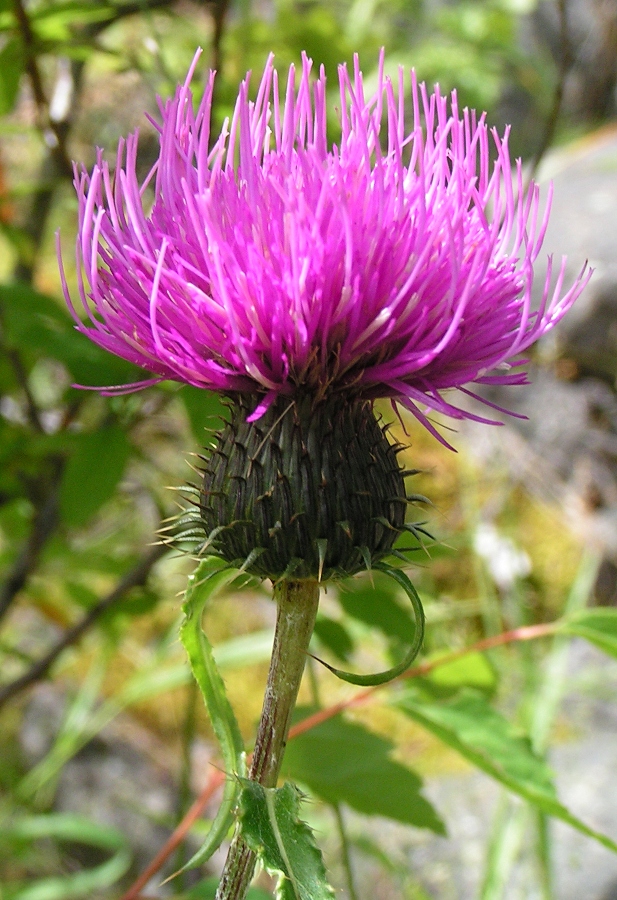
[{"x": 285, "y": 273}]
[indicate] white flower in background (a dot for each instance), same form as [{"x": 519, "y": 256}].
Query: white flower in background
[{"x": 504, "y": 560}]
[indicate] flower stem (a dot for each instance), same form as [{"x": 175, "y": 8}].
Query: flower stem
[{"x": 297, "y": 603}]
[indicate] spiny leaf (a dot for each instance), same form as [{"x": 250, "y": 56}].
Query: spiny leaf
[{"x": 285, "y": 845}]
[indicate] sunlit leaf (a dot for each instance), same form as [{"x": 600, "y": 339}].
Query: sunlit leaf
[
  {"x": 472, "y": 670},
  {"x": 599, "y": 626}
]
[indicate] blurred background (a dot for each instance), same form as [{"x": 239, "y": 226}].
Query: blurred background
[{"x": 104, "y": 741}]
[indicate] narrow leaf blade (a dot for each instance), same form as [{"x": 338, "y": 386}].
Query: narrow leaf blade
[
  {"x": 12, "y": 64},
  {"x": 598, "y": 626},
  {"x": 69, "y": 827},
  {"x": 486, "y": 739},
  {"x": 203, "y": 584}
]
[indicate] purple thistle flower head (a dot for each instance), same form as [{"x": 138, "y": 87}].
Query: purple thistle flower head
[{"x": 396, "y": 264}]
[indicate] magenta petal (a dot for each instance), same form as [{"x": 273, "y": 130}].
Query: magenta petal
[{"x": 398, "y": 264}]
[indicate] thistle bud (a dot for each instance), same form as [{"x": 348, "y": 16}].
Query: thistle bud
[
  {"x": 308, "y": 490},
  {"x": 308, "y": 281}
]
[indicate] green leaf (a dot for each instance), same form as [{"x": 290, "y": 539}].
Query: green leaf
[
  {"x": 334, "y": 636},
  {"x": 74, "y": 12},
  {"x": 136, "y": 602},
  {"x": 12, "y": 63},
  {"x": 81, "y": 594},
  {"x": 37, "y": 323},
  {"x": 372, "y": 599},
  {"x": 92, "y": 473},
  {"x": 341, "y": 761},
  {"x": 472, "y": 670},
  {"x": 69, "y": 827},
  {"x": 599, "y": 626},
  {"x": 488, "y": 741},
  {"x": 415, "y": 635},
  {"x": 208, "y": 578},
  {"x": 204, "y": 409},
  {"x": 284, "y": 844}
]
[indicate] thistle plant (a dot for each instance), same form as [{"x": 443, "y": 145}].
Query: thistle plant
[{"x": 303, "y": 282}]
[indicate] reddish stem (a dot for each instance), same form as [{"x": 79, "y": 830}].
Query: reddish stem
[{"x": 217, "y": 777}]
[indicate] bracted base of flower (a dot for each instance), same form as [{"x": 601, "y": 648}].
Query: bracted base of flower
[{"x": 309, "y": 490}]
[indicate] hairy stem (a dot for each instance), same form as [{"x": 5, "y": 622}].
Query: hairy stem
[{"x": 297, "y": 607}]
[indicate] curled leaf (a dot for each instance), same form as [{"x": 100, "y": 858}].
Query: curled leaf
[{"x": 416, "y": 638}]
